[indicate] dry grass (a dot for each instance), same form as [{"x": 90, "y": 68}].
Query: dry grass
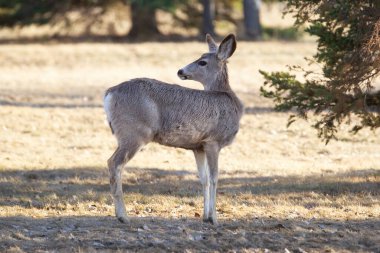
[{"x": 279, "y": 188}]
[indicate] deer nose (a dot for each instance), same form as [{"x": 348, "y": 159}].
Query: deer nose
[{"x": 181, "y": 74}]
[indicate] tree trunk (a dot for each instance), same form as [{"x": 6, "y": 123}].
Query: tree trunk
[
  {"x": 208, "y": 17},
  {"x": 252, "y": 19},
  {"x": 144, "y": 23}
]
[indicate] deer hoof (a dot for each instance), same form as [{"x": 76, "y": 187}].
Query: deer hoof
[
  {"x": 210, "y": 220},
  {"x": 123, "y": 219}
]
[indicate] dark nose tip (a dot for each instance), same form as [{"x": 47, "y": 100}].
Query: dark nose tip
[{"x": 180, "y": 72}]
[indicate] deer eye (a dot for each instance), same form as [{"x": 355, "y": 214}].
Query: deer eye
[{"x": 202, "y": 63}]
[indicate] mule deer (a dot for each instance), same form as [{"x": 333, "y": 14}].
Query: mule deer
[{"x": 145, "y": 110}]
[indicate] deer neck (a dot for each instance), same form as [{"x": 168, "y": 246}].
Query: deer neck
[{"x": 219, "y": 82}]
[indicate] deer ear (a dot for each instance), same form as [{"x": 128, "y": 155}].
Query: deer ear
[
  {"x": 212, "y": 46},
  {"x": 227, "y": 47}
]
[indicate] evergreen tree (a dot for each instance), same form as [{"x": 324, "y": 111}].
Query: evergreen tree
[{"x": 348, "y": 33}]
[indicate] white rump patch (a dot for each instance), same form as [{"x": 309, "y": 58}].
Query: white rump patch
[{"x": 107, "y": 106}]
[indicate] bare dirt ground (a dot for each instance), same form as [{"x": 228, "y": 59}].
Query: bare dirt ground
[{"x": 281, "y": 189}]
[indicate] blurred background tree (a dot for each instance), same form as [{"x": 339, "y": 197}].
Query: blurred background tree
[
  {"x": 199, "y": 14},
  {"x": 252, "y": 19},
  {"x": 23, "y": 12},
  {"x": 348, "y": 52},
  {"x": 208, "y": 17},
  {"x": 143, "y": 16}
]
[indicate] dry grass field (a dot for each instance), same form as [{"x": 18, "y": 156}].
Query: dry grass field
[{"x": 281, "y": 189}]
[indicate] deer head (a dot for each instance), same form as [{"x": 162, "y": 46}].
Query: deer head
[{"x": 211, "y": 69}]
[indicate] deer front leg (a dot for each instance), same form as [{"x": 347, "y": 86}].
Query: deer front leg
[
  {"x": 212, "y": 155},
  {"x": 204, "y": 176}
]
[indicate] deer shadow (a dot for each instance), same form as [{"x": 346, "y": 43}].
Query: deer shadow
[{"x": 23, "y": 187}]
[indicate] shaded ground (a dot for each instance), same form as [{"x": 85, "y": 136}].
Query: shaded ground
[
  {"x": 157, "y": 234},
  {"x": 280, "y": 188},
  {"x": 165, "y": 205}
]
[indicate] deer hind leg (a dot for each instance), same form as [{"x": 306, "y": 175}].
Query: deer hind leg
[
  {"x": 116, "y": 163},
  {"x": 204, "y": 176},
  {"x": 212, "y": 155}
]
